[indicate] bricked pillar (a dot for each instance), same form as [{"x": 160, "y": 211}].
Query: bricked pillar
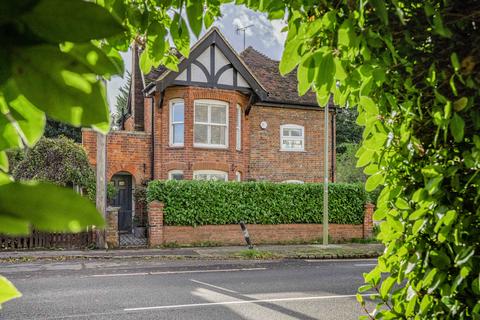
[
  {"x": 368, "y": 220},
  {"x": 111, "y": 232},
  {"x": 155, "y": 223}
]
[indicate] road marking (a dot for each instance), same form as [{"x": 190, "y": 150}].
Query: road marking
[
  {"x": 117, "y": 275},
  {"x": 206, "y": 271},
  {"x": 365, "y": 264},
  {"x": 171, "y": 272},
  {"x": 213, "y": 286},
  {"x": 338, "y": 260},
  {"x": 179, "y": 306}
]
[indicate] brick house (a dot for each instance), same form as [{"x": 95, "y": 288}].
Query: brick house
[{"x": 223, "y": 116}]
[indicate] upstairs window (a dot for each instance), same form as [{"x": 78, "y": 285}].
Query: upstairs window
[
  {"x": 238, "y": 132},
  {"x": 211, "y": 124},
  {"x": 177, "y": 120},
  {"x": 292, "y": 138},
  {"x": 210, "y": 175}
]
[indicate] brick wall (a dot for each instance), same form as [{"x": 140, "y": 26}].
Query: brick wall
[
  {"x": 127, "y": 151},
  {"x": 260, "y": 234},
  {"x": 267, "y": 162}
]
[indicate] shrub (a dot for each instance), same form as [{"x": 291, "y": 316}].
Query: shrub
[{"x": 191, "y": 203}]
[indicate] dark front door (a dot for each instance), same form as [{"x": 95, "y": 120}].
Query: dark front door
[{"x": 123, "y": 199}]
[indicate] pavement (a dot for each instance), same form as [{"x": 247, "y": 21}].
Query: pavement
[
  {"x": 204, "y": 289},
  {"x": 306, "y": 251}
]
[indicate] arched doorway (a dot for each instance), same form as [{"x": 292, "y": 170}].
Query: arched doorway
[{"x": 123, "y": 199}]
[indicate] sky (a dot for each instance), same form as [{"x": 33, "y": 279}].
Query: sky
[{"x": 264, "y": 35}]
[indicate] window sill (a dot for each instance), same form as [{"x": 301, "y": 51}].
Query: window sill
[
  {"x": 206, "y": 146},
  {"x": 173, "y": 147},
  {"x": 287, "y": 150}
]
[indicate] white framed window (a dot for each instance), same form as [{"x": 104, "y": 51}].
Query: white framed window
[
  {"x": 292, "y": 137},
  {"x": 210, "y": 124},
  {"x": 177, "y": 122},
  {"x": 238, "y": 176},
  {"x": 210, "y": 175},
  {"x": 238, "y": 131},
  {"x": 175, "y": 175},
  {"x": 293, "y": 181}
]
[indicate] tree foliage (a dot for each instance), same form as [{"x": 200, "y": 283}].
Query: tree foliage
[
  {"x": 121, "y": 101},
  {"x": 55, "y": 129},
  {"x": 347, "y": 132},
  {"x": 411, "y": 68},
  {"x": 346, "y": 170}
]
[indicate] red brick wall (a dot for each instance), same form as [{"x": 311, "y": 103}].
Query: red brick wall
[
  {"x": 260, "y": 234},
  {"x": 189, "y": 158},
  {"x": 267, "y": 162},
  {"x": 127, "y": 151}
]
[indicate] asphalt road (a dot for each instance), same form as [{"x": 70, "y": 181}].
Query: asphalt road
[{"x": 138, "y": 289}]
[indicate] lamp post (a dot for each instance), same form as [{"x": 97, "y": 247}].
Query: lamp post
[{"x": 325, "y": 177}]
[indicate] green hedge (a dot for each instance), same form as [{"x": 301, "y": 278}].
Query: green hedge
[{"x": 191, "y": 203}]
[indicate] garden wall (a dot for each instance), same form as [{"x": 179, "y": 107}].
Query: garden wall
[{"x": 231, "y": 234}]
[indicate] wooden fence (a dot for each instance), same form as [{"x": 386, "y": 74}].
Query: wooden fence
[{"x": 46, "y": 240}]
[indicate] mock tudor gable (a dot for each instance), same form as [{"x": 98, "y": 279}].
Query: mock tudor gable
[{"x": 212, "y": 63}]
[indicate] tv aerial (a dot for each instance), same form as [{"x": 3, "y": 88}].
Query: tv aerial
[{"x": 243, "y": 29}]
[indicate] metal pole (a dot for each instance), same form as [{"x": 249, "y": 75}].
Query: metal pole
[
  {"x": 325, "y": 178},
  {"x": 101, "y": 189}
]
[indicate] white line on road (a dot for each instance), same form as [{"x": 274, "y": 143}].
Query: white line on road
[
  {"x": 213, "y": 286},
  {"x": 339, "y": 260},
  {"x": 179, "y": 306},
  {"x": 171, "y": 272},
  {"x": 365, "y": 264}
]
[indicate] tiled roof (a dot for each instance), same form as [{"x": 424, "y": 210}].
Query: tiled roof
[{"x": 280, "y": 89}]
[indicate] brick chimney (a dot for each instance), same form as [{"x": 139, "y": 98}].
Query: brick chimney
[{"x": 136, "y": 93}]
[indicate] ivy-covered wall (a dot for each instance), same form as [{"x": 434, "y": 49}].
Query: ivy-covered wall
[{"x": 192, "y": 203}]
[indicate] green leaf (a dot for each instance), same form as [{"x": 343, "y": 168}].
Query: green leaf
[
  {"x": 306, "y": 73},
  {"x": 73, "y": 20},
  {"x": 455, "y": 62},
  {"x": 369, "y": 106},
  {"x": 29, "y": 121},
  {"x": 47, "y": 207},
  {"x": 7, "y": 291},
  {"x": 439, "y": 27},
  {"x": 324, "y": 76},
  {"x": 3, "y": 161},
  {"x": 387, "y": 285},
  {"x": 345, "y": 34},
  {"x": 94, "y": 58},
  {"x": 58, "y": 84},
  {"x": 194, "y": 15},
  {"x": 380, "y": 10},
  {"x": 460, "y": 104},
  {"x": 290, "y": 57},
  {"x": 457, "y": 127},
  {"x": 8, "y": 133},
  {"x": 180, "y": 35},
  {"x": 374, "y": 181}
]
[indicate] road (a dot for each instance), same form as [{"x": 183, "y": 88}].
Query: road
[{"x": 188, "y": 289}]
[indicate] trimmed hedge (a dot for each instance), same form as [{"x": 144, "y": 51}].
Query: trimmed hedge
[{"x": 191, "y": 203}]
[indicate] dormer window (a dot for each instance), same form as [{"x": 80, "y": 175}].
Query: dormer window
[
  {"x": 292, "y": 138},
  {"x": 211, "y": 124}
]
